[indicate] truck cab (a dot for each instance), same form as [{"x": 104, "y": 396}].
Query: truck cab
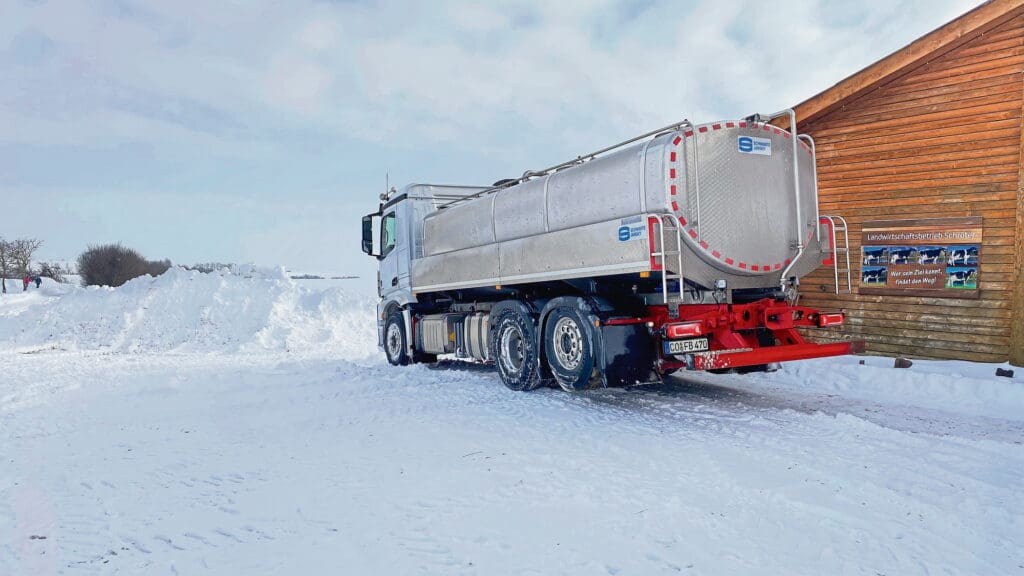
[{"x": 393, "y": 235}]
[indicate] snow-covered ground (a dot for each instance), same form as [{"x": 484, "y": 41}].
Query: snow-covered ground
[{"x": 243, "y": 424}]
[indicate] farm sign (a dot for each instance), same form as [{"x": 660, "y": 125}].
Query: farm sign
[{"x": 927, "y": 257}]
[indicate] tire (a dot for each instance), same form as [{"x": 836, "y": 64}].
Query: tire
[
  {"x": 515, "y": 351},
  {"x": 395, "y": 339},
  {"x": 569, "y": 349}
]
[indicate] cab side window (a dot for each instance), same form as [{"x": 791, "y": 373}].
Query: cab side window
[{"x": 387, "y": 232}]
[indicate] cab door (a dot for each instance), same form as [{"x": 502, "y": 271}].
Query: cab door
[{"x": 389, "y": 255}]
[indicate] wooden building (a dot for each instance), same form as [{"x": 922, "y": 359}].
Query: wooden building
[{"x": 931, "y": 131}]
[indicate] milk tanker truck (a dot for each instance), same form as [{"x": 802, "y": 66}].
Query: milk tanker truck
[{"x": 679, "y": 249}]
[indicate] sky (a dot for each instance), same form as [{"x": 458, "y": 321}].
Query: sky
[{"x": 259, "y": 131}]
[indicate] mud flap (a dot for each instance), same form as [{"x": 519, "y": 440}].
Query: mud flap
[{"x": 628, "y": 352}]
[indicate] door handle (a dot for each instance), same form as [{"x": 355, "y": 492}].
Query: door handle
[{"x": 394, "y": 281}]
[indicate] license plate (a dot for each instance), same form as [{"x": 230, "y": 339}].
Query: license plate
[{"x": 685, "y": 346}]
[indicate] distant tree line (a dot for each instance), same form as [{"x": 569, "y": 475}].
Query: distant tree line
[
  {"x": 100, "y": 265},
  {"x": 207, "y": 267}
]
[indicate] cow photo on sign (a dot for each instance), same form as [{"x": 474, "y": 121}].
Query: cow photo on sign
[
  {"x": 931, "y": 254},
  {"x": 963, "y": 255},
  {"x": 875, "y": 255},
  {"x": 902, "y": 254},
  {"x": 962, "y": 278},
  {"x": 873, "y": 276}
]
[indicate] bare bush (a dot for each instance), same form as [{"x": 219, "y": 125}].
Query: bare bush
[
  {"x": 114, "y": 264},
  {"x": 52, "y": 270}
]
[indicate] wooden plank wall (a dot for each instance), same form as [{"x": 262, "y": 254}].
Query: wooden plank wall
[{"x": 943, "y": 140}]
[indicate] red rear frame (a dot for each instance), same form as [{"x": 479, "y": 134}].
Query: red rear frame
[{"x": 732, "y": 329}]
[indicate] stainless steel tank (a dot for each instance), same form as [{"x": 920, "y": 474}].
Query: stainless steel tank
[{"x": 731, "y": 185}]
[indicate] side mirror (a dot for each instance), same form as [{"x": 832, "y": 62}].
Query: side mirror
[{"x": 371, "y": 234}]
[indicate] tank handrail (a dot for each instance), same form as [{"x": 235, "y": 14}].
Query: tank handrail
[
  {"x": 578, "y": 160},
  {"x": 814, "y": 173}
]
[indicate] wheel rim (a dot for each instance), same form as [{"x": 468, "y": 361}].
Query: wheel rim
[
  {"x": 568, "y": 343},
  {"x": 394, "y": 340},
  {"x": 512, "y": 350}
]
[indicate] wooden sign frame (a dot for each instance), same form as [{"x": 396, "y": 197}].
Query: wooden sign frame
[{"x": 937, "y": 257}]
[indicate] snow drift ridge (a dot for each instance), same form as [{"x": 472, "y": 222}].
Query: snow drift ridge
[{"x": 246, "y": 310}]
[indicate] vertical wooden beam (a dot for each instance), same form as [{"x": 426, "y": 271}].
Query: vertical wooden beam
[{"x": 1017, "y": 304}]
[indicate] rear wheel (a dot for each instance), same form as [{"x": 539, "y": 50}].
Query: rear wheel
[
  {"x": 395, "y": 338},
  {"x": 569, "y": 348},
  {"x": 515, "y": 351}
]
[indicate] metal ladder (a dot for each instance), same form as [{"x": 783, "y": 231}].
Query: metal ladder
[
  {"x": 669, "y": 223},
  {"x": 837, "y": 225}
]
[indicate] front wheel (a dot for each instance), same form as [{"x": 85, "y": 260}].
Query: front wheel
[
  {"x": 569, "y": 348},
  {"x": 395, "y": 338}
]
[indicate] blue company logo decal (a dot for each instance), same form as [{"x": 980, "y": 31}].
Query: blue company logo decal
[
  {"x": 754, "y": 145},
  {"x": 627, "y": 233}
]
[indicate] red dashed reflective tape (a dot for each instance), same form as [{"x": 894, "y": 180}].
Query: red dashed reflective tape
[{"x": 673, "y": 173}]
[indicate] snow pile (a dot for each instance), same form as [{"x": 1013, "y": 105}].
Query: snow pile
[
  {"x": 951, "y": 386},
  {"x": 245, "y": 310}
]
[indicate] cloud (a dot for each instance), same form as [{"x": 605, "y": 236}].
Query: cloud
[
  {"x": 381, "y": 70},
  {"x": 297, "y": 84},
  {"x": 320, "y": 35},
  {"x": 277, "y": 100}
]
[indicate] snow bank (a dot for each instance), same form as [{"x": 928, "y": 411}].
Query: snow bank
[
  {"x": 245, "y": 310},
  {"x": 952, "y": 386}
]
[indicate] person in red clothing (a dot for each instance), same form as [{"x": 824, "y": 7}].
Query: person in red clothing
[{"x": 25, "y": 282}]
